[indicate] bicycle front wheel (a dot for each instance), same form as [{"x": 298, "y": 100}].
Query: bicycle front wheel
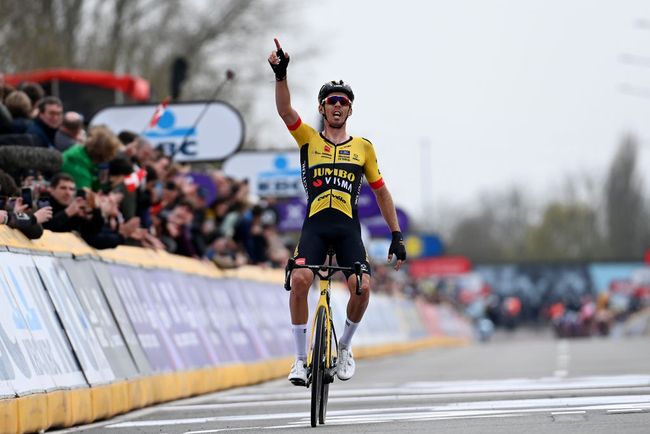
[
  {"x": 318, "y": 355},
  {"x": 328, "y": 375}
]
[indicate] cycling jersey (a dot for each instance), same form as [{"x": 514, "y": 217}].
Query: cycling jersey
[{"x": 332, "y": 173}]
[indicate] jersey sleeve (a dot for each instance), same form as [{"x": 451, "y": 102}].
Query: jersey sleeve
[
  {"x": 370, "y": 167},
  {"x": 301, "y": 132}
]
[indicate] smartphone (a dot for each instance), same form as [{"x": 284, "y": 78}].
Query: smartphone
[
  {"x": 26, "y": 194},
  {"x": 81, "y": 193},
  {"x": 42, "y": 202}
]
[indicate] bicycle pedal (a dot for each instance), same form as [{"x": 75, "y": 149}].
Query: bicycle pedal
[{"x": 298, "y": 382}]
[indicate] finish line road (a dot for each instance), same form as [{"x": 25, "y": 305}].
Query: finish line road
[{"x": 514, "y": 384}]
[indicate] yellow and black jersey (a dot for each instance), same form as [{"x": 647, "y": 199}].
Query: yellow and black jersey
[{"x": 331, "y": 173}]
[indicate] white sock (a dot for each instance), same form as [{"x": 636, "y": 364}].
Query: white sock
[
  {"x": 348, "y": 332},
  {"x": 300, "y": 340}
]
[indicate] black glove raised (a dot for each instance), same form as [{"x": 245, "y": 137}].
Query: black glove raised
[
  {"x": 397, "y": 247},
  {"x": 280, "y": 69}
]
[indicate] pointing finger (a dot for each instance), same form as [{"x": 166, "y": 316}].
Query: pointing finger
[{"x": 277, "y": 44}]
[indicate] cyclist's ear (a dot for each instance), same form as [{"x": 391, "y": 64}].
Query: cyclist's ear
[{"x": 321, "y": 109}]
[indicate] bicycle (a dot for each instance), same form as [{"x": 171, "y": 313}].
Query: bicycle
[{"x": 321, "y": 362}]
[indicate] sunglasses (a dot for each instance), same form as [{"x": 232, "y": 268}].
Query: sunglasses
[{"x": 332, "y": 100}]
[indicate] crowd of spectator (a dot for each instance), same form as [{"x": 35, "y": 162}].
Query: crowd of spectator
[{"x": 114, "y": 188}]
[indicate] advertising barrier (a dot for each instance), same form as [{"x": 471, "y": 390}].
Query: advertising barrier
[
  {"x": 86, "y": 335},
  {"x": 40, "y": 351},
  {"x": 101, "y": 318}
]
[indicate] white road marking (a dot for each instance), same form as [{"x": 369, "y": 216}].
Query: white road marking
[
  {"x": 417, "y": 389},
  {"x": 626, "y": 410},
  {"x": 562, "y": 359},
  {"x": 556, "y": 413},
  {"x": 457, "y": 410}
]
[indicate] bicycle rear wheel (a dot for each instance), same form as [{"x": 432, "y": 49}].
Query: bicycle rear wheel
[{"x": 318, "y": 355}]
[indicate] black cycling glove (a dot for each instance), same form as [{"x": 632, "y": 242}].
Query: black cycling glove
[
  {"x": 397, "y": 247},
  {"x": 280, "y": 69}
]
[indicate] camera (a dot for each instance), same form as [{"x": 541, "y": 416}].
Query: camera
[{"x": 81, "y": 193}]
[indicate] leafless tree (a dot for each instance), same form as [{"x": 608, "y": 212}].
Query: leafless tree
[
  {"x": 496, "y": 230},
  {"x": 626, "y": 223},
  {"x": 568, "y": 231},
  {"x": 144, "y": 37}
]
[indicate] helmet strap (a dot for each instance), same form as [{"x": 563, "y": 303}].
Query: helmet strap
[{"x": 330, "y": 125}]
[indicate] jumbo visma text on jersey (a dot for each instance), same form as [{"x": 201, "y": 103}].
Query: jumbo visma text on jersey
[{"x": 332, "y": 173}]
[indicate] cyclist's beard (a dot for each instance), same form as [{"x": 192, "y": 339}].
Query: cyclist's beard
[{"x": 336, "y": 126}]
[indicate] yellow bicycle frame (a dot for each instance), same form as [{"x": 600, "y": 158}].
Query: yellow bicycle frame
[{"x": 322, "y": 301}]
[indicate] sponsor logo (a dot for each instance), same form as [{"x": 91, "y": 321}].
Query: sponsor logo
[
  {"x": 344, "y": 152},
  {"x": 317, "y": 183},
  {"x": 300, "y": 261},
  {"x": 339, "y": 198},
  {"x": 355, "y": 157},
  {"x": 303, "y": 174},
  {"x": 327, "y": 149},
  {"x": 340, "y": 173}
]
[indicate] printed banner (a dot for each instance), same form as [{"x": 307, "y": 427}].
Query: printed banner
[
  {"x": 177, "y": 317},
  {"x": 101, "y": 318},
  {"x": 75, "y": 321},
  {"x": 41, "y": 354},
  {"x": 235, "y": 320},
  {"x": 103, "y": 274},
  {"x": 222, "y": 320},
  {"x": 145, "y": 319},
  {"x": 18, "y": 372},
  {"x": 272, "y": 315},
  {"x": 188, "y": 131},
  {"x": 187, "y": 288}
]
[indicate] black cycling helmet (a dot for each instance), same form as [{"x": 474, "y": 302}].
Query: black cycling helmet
[{"x": 335, "y": 86}]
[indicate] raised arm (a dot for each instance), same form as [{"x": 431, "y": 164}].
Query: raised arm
[{"x": 279, "y": 61}]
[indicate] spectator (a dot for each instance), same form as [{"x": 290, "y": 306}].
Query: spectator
[
  {"x": 249, "y": 235},
  {"x": 70, "y": 132},
  {"x": 144, "y": 153},
  {"x": 15, "y": 214},
  {"x": 176, "y": 229},
  {"x": 5, "y": 116},
  {"x": 126, "y": 137},
  {"x": 72, "y": 212},
  {"x": 82, "y": 161},
  {"x": 115, "y": 230},
  {"x": 46, "y": 124},
  {"x": 20, "y": 107},
  {"x": 35, "y": 93},
  {"x": 119, "y": 169}
]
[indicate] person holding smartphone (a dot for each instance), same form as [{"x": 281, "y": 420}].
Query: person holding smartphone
[
  {"x": 73, "y": 210},
  {"x": 16, "y": 214}
]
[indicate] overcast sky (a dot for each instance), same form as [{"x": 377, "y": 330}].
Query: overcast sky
[{"x": 470, "y": 96}]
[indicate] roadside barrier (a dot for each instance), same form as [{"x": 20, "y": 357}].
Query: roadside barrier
[{"x": 86, "y": 334}]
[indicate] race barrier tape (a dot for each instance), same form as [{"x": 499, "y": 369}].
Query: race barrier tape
[{"x": 86, "y": 335}]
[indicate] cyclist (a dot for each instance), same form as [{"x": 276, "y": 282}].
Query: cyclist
[{"x": 332, "y": 165}]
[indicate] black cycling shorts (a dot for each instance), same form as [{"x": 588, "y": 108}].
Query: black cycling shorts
[{"x": 344, "y": 236}]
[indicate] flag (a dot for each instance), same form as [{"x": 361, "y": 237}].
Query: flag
[
  {"x": 160, "y": 111},
  {"x": 133, "y": 181}
]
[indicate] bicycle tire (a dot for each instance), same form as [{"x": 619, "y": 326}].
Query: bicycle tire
[
  {"x": 322, "y": 411},
  {"x": 318, "y": 366}
]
